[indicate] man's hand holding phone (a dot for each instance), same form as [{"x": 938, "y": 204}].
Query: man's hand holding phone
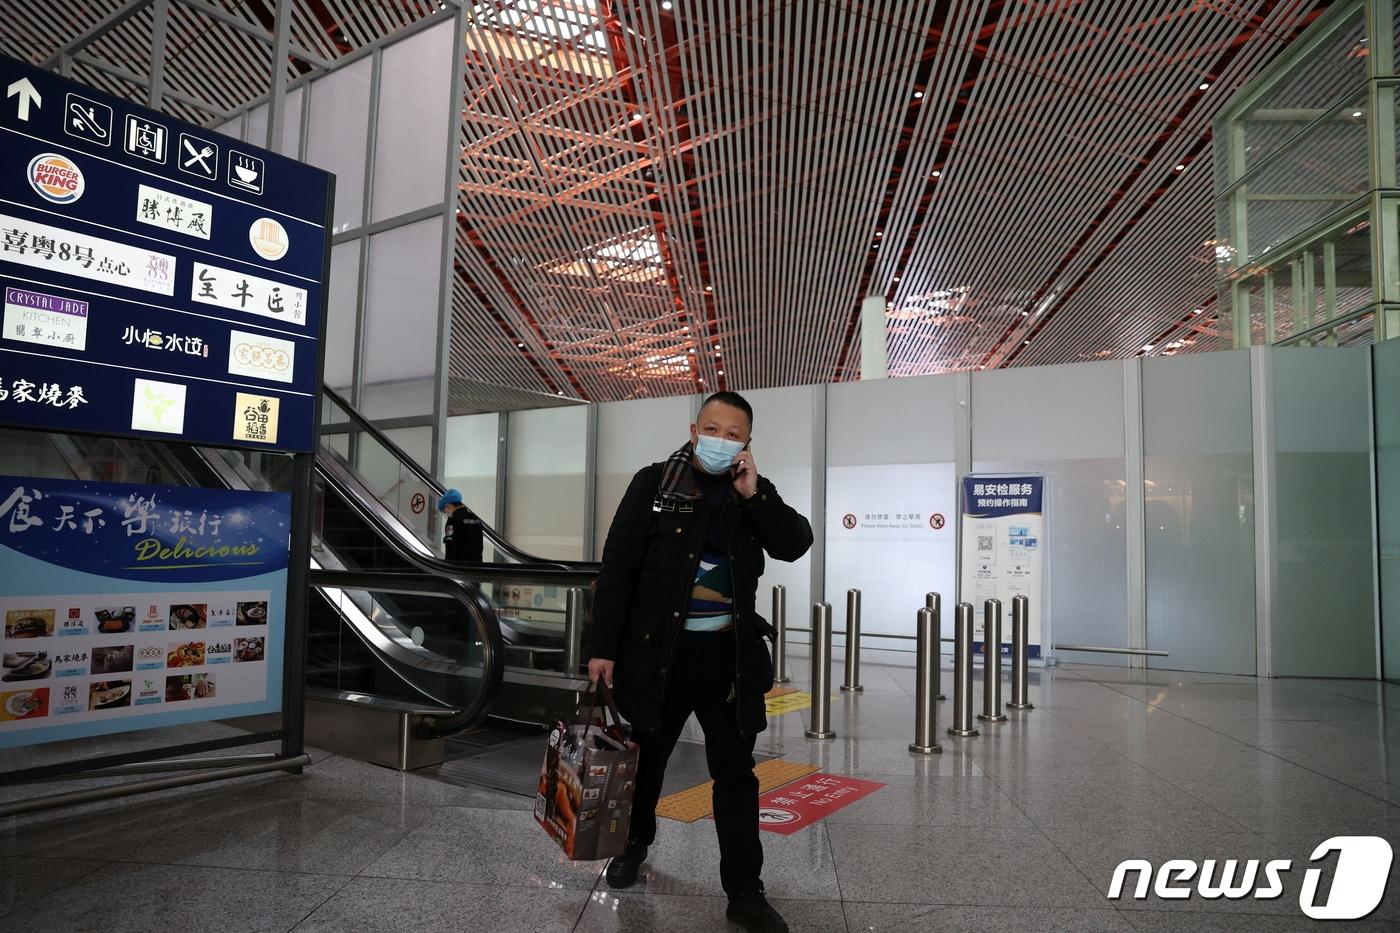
[{"x": 745, "y": 474}]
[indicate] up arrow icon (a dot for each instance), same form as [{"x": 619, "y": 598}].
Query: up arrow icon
[{"x": 24, "y": 88}]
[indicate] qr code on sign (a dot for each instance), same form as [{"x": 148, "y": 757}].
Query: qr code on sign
[{"x": 984, "y": 542}]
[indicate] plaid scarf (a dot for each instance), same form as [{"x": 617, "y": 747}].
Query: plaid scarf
[{"x": 677, "y": 480}]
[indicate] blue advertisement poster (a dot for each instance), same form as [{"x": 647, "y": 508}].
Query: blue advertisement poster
[
  {"x": 158, "y": 279},
  {"x": 1003, "y": 548},
  {"x": 132, "y": 606}
]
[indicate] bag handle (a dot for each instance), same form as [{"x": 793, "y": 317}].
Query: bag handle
[{"x": 596, "y": 689}]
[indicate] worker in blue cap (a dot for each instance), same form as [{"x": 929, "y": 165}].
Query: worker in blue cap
[{"x": 463, "y": 538}]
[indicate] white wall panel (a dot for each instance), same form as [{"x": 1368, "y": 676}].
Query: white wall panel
[
  {"x": 336, "y": 135},
  {"x": 415, "y": 97},
  {"x": 544, "y": 486}
]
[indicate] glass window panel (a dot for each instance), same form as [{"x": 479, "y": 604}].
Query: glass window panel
[
  {"x": 1324, "y": 616},
  {"x": 336, "y": 135},
  {"x": 340, "y": 316},
  {"x": 255, "y": 133},
  {"x": 1387, "y": 402},
  {"x": 1199, "y": 469},
  {"x": 471, "y": 461},
  {"x": 415, "y": 98},
  {"x": 401, "y": 317},
  {"x": 782, "y": 449},
  {"x": 544, "y": 488},
  {"x": 1067, "y": 423}
]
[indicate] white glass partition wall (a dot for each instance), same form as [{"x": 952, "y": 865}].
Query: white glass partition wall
[
  {"x": 472, "y": 451},
  {"x": 1386, "y": 381},
  {"x": 889, "y": 468},
  {"x": 632, "y": 435},
  {"x": 1324, "y": 609},
  {"x": 1199, "y": 524},
  {"x": 545, "y": 494},
  {"x": 782, "y": 449},
  {"x": 1067, "y": 422}
]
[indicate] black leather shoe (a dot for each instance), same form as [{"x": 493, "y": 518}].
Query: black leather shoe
[
  {"x": 623, "y": 869},
  {"x": 752, "y": 912}
]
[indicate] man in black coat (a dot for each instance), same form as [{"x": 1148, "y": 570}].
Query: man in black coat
[
  {"x": 462, "y": 536},
  {"x": 675, "y": 632}
]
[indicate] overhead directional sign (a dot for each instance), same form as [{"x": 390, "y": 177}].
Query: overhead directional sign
[{"x": 158, "y": 279}]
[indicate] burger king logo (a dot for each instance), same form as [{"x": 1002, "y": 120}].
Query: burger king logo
[{"x": 56, "y": 178}]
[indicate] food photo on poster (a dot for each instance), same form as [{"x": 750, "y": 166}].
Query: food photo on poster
[{"x": 122, "y": 599}]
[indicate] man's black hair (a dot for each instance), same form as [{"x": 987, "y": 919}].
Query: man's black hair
[{"x": 734, "y": 400}]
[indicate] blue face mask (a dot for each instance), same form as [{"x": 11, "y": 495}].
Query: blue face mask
[{"x": 716, "y": 454}]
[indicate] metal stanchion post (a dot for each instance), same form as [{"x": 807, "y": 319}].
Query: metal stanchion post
[
  {"x": 780, "y": 639},
  {"x": 1020, "y": 653},
  {"x": 821, "y": 673},
  {"x": 926, "y": 685},
  {"x": 962, "y": 672},
  {"x": 852, "y": 684},
  {"x": 573, "y": 630},
  {"x": 991, "y": 663},
  {"x": 935, "y": 602}
]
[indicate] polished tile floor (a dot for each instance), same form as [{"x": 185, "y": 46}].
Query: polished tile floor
[{"x": 1018, "y": 829}]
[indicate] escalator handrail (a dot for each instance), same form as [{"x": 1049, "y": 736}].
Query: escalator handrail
[
  {"x": 477, "y": 608},
  {"x": 363, "y": 424},
  {"x": 382, "y": 520}
]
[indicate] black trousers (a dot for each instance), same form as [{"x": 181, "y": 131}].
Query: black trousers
[{"x": 702, "y": 682}]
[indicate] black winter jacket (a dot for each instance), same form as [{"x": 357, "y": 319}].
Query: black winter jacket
[{"x": 643, "y": 591}]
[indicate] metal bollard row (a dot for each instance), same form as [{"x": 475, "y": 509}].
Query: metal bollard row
[{"x": 927, "y": 664}]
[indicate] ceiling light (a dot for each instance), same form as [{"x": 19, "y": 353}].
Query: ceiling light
[
  {"x": 520, "y": 346},
  {"x": 1205, "y": 87},
  {"x": 1146, "y": 348},
  {"x": 718, "y": 348},
  {"x": 709, "y": 288},
  {"x": 918, "y": 95},
  {"x": 666, "y": 5},
  {"x": 1025, "y": 343},
  {"x": 895, "y": 279},
  {"x": 720, "y": 371},
  {"x": 879, "y": 233},
  {"x": 1180, "y": 167},
  {"x": 1198, "y": 311},
  {"x": 1356, "y": 113},
  {"x": 936, "y": 173},
  {"x": 1025, "y": 314}
]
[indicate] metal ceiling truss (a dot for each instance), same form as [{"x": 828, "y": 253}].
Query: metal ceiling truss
[
  {"x": 669, "y": 196},
  {"x": 659, "y": 198}
]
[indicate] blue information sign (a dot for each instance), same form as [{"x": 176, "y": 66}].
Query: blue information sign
[{"x": 159, "y": 279}]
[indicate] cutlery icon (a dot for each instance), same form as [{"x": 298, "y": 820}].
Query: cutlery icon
[{"x": 197, "y": 155}]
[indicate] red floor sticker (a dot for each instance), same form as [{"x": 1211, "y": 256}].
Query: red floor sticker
[{"x": 801, "y": 803}]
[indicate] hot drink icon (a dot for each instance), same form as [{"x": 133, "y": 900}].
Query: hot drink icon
[{"x": 245, "y": 171}]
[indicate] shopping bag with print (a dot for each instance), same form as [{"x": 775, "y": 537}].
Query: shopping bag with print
[{"x": 584, "y": 796}]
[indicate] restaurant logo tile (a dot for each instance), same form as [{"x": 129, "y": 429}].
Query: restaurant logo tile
[
  {"x": 87, "y": 119},
  {"x": 149, "y": 691},
  {"x": 55, "y": 178},
  {"x": 245, "y": 171},
  {"x": 51, "y": 320},
  {"x": 269, "y": 238},
  {"x": 260, "y": 356},
  {"x": 158, "y": 406},
  {"x": 198, "y": 157},
  {"x": 255, "y": 418},
  {"x": 173, "y": 212},
  {"x": 145, "y": 138}
]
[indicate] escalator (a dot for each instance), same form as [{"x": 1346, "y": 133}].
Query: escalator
[{"x": 391, "y": 624}]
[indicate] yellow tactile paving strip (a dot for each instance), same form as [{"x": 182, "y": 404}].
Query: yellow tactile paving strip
[
  {"x": 779, "y": 692},
  {"x": 687, "y": 806}
]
